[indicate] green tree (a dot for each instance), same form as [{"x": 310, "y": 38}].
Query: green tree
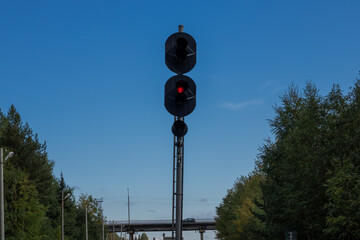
[
  {"x": 110, "y": 237},
  {"x": 72, "y": 229},
  {"x": 27, "y": 213},
  {"x": 343, "y": 219},
  {"x": 33, "y": 194},
  {"x": 295, "y": 166},
  {"x": 31, "y": 160},
  {"x": 31, "y": 156},
  {"x": 312, "y": 169},
  {"x": 343, "y": 184},
  {"x": 235, "y": 215},
  {"x": 144, "y": 237},
  {"x": 94, "y": 214}
]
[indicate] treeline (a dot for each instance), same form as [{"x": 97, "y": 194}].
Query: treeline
[
  {"x": 308, "y": 178},
  {"x": 33, "y": 194}
]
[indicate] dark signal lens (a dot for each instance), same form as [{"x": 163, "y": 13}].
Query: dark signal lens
[
  {"x": 181, "y": 52},
  {"x": 179, "y": 128},
  {"x": 181, "y": 42}
]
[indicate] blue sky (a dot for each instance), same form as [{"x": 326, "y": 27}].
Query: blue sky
[{"x": 88, "y": 76}]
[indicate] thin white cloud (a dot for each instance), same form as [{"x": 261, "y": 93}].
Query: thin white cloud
[
  {"x": 240, "y": 105},
  {"x": 272, "y": 87},
  {"x": 278, "y": 89},
  {"x": 266, "y": 84}
]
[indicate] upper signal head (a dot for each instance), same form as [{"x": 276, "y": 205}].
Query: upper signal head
[{"x": 180, "y": 52}]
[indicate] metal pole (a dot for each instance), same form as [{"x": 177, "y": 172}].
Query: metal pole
[
  {"x": 179, "y": 188},
  {"x": 179, "y": 178},
  {"x": 100, "y": 201},
  {"x": 173, "y": 193},
  {"x": 103, "y": 227},
  {"x": 201, "y": 234},
  {"x": 128, "y": 211},
  {"x": 121, "y": 234},
  {"x": 2, "y": 225},
  {"x": 128, "y": 206},
  {"x": 62, "y": 214},
  {"x": 113, "y": 230},
  {"x": 86, "y": 223},
  {"x": 182, "y": 179}
]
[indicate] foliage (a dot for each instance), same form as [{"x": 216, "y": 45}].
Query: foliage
[
  {"x": 143, "y": 237},
  {"x": 235, "y": 215},
  {"x": 295, "y": 166},
  {"x": 312, "y": 169},
  {"x": 343, "y": 184},
  {"x": 94, "y": 213},
  {"x": 110, "y": 236},
  {"x": 27, "y": 212},
  {"x": 32, "y": 192},
  {"x": 310, "y": 172},
  {"x": 343, "y": 218}
]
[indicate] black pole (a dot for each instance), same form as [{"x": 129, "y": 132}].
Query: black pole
[{"x": 179, "y": 185}]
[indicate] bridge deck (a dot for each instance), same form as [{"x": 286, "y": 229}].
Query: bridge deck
[{"x": 158, "y": 225}]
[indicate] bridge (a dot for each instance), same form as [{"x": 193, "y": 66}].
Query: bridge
[{"x": 158, "y": 225}]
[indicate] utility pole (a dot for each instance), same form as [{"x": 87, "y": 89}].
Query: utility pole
[
  {"x": 100, "y": 200},
  {"x": 113, "y": 230},
  {"x": 128, "y": 207},
  {"x": 131, "y": 232},
  {"x": 103, "y": 227},
  {"x": 63, "y": 199},
  {"x": 86, "y": 223},
  {"x": 2, "y": 224},
  {"x": 2, "y": 220},
  {"x": 62, "y": 214},
  {"x": 121, "y": 234}
]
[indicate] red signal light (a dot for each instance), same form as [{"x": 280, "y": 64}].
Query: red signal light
[{"x": 180, "y": 89}]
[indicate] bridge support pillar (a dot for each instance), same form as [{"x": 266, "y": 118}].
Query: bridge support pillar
[
  {"x": 131, "y": 234},
  {"x": 201, "y": 231}
]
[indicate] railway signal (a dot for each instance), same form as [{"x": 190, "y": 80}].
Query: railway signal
[{"x": 180, "y": 101}]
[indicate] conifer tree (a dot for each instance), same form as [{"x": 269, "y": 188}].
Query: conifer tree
[
  {"x": 343, "y": 184},
  {"x": 32, "y": 192}
]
